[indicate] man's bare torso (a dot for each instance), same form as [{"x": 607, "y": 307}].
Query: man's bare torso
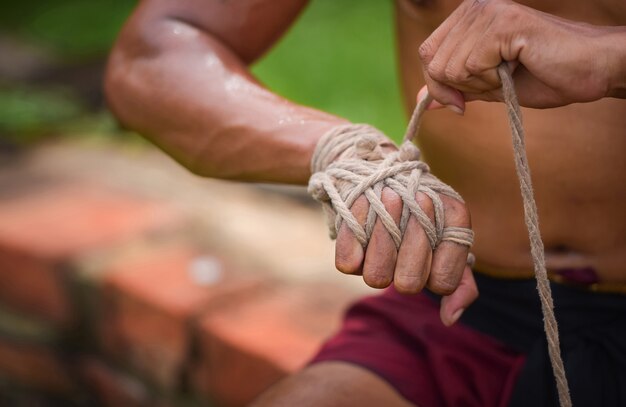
[{"x": 576, "y": 154}]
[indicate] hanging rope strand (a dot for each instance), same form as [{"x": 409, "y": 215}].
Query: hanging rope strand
[
  {"x": 536, "y": 244},
  {"x": 532, "y": 222}
]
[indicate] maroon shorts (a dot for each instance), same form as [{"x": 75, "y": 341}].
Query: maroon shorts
[
  {"x": 401, "y": 339},
  {"x": 496, "y": 354}
]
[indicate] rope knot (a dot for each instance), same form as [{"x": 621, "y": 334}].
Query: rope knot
[
  {"x": 409, "y": 152},
  {"x": 354, "y": 160},
  {"x": 368, "y": 148},
  {"x": 316, "y": 188}
]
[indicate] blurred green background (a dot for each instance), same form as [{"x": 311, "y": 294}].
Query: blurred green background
[{"x": 338, "y": 57}]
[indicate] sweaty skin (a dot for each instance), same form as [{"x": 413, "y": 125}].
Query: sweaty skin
[{"x": 178, "y": 74}]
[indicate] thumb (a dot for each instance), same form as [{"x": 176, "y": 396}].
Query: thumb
[
  {"x": 445, "y": 95},
  {"x": 453, "y": 305}
]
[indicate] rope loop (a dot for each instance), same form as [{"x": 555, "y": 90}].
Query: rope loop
[{"x": 354, "y": 160}]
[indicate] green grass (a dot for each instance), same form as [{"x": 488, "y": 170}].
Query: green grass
[
  {"x": 340, "y": 57},
  {"x": 28, "y": 111},
  {"x": 70, "y": 28}
]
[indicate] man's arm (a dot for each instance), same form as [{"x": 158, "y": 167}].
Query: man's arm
[{"x": 177, "y": 75}]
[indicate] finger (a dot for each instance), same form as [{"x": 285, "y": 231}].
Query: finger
[
  {"x": 483, "y": 60},
  {"x": 449, "y": 258},
  {"x": 531, "y": 92},
  {"x": 455, "y": 46},
  {"x": 525, "y": 85},
  {"x": 427, "y": 51},
  {"x": 415, "y": 254},
  {"x": 349, "y": 253},
  {"x": 440, "y": 33},
  {"x": 488, "y": 96},
  {"x": 444, "y": 94},
  {"x": 381, "y": 253},
  {"x": 453, "y": 305},
  {"x": 492, "y": 48},
  {"x": 459, "y": 71}
]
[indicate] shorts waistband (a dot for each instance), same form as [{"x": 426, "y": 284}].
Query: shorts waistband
[{"x": 556, "y": 276}]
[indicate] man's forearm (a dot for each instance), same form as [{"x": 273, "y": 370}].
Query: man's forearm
[{"x": 192, "y": 96}]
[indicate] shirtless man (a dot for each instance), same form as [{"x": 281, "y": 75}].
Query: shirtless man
[{"x": 178, "y": 74}]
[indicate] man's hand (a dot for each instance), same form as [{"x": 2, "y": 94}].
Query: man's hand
[
  {"x": 415, "y": 265},
  {"x": 555, "y": 61},
  {"x": 428, "y": 245}
]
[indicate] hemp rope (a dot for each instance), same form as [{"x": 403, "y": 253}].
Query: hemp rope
[
  {"x": 536, "y": 244},
  {"x": 349, "y": 161},
  {"x": 531, "y": 218}
]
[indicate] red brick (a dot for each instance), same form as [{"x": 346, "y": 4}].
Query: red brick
[
  {"x": 41, "y": 231},
  {"x": 148, "y": 305},
  {"x": 33, "y": 286},
  {"x": 113, "y": 388},
  {"x": 246, "y": 347},
  {"x": 34, "y": 366}
]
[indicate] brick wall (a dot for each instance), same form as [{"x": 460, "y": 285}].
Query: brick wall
[{"x": 105, "y": 299}]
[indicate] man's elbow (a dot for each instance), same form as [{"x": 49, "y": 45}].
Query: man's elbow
[
  {"x": 117, "y": 87},
  {"x": 125, "y": 84}
]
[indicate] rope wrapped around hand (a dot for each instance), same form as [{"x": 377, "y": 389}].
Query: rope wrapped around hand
[{"x": 354, "y": 160}]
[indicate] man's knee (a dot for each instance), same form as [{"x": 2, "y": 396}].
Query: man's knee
[{"x": 332, "y": 384}]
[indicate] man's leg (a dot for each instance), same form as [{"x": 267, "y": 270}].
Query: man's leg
[{"x": 332, "y": 384}]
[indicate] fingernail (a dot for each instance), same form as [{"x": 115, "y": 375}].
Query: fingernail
[
  {"x": 455, "y": 109},
  {"x": 457, "y": 314}
]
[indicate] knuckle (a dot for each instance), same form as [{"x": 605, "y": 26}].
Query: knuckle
[
  {"x": 442, "y": 286},
  {"x": 346, "y": 263},
  {"x": 408, "y": 284},
  {"x": 506, "y": 16},
  {"x": 472, "y": 65},
  {"x": 360, "y": 205},
  {"x": 426, "y": 52},
  {"x": 457, "y": 213},
  {"x": 487, "y": 4},
  {"x": 481, "y": 6},
  {"x": 436, "y": 71},
  {"x": 377, "y": 280},
  {"x": 344, "y": 267},
  {"x": 511, "y": 13},
  {"x": 390, "y": 198},
  {"x": 425, "y": 203},
  {"x": 454, "y": 74},
  {"x": 474, "y": 4}
]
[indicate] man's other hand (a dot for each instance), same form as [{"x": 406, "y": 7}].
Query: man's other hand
[{"x": 555, "y": 61}]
